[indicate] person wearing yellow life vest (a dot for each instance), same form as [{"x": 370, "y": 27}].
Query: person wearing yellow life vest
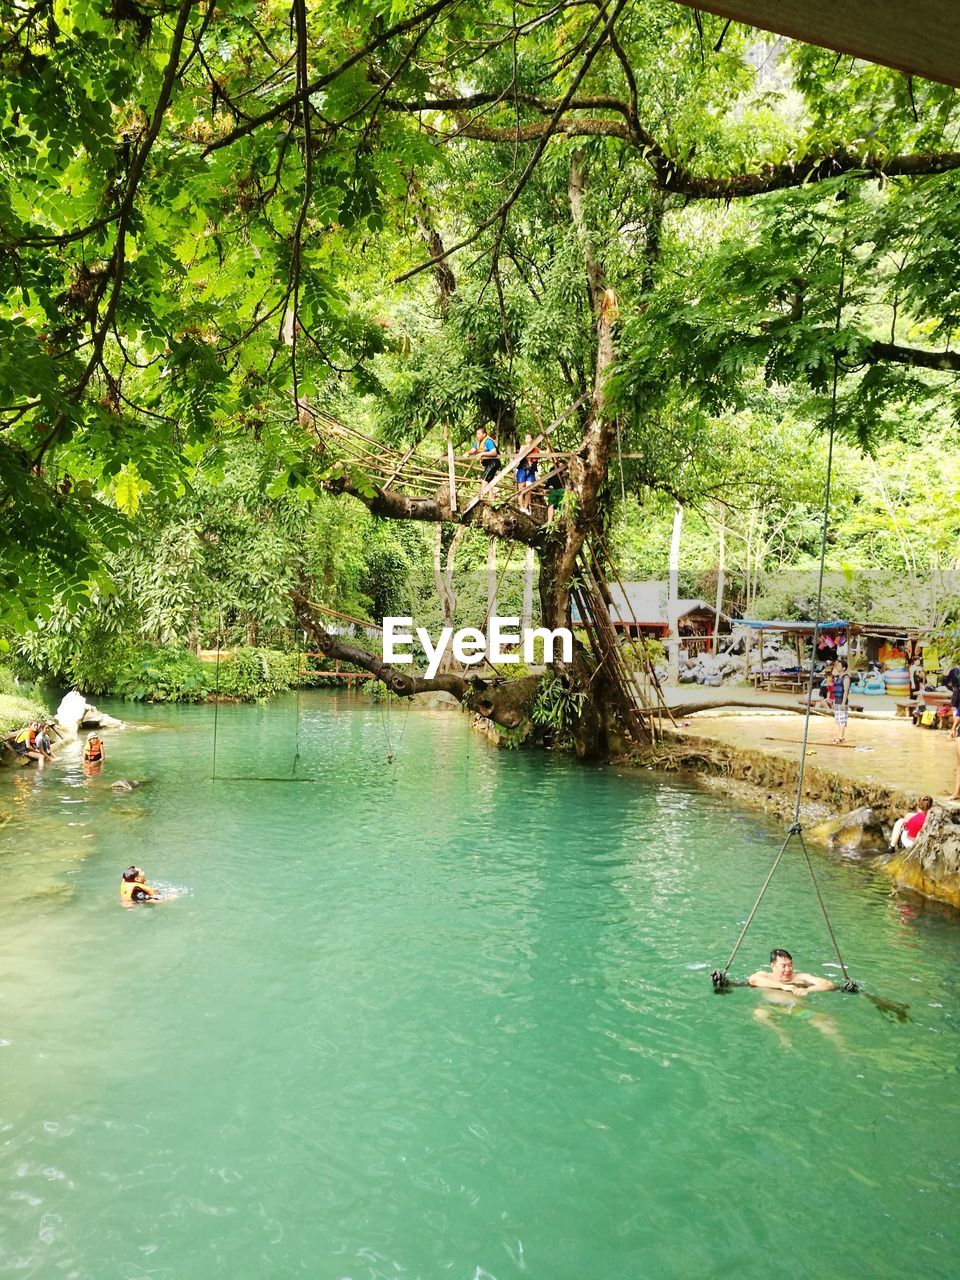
[
  {"x": 93, "y": 750},
  {"x": 26, "y": 746},
  {"x": 24, "y": 740},
  {"x": 133, "y": 887}
]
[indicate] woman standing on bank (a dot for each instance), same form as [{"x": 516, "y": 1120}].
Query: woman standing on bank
[{"x": 841, "y": 699}]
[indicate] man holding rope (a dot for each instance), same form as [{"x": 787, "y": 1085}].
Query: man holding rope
[{"x": 783, "y": 978}]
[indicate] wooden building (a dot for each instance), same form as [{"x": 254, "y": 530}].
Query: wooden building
[{"x": 640, "y": 609}]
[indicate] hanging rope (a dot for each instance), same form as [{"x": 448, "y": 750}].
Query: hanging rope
[
  {"x": 296, "y": 754},
  {"x": 719, "y": 976},
  {"x": 257, "y": 777},
  {"x": 385, "y": 724},
  {"x": 216, "y": 696},
  {"x": 391, "y": 749}
]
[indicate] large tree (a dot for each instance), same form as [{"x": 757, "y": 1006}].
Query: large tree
[{"x": 214, "y": 217}]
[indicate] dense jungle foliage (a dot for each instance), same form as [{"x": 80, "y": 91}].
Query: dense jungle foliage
[{"x": 217, "y": 219}]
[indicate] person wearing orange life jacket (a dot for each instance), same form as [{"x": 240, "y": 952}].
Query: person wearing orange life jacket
[
  {"x": 134, "y": 888},
  {"x": 485, "y": 448},
  {"x": 93, "y": 750},
  {"x": 26, "y": 747}
]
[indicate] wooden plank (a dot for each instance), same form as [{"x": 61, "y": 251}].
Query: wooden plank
[
  {"x": 920, "y": 38},
  {"x": 452, "y": 473},
  {"x": 398, "y": 468}
]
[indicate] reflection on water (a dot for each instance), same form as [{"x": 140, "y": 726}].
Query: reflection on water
[{"x": 446, "y": 1015}]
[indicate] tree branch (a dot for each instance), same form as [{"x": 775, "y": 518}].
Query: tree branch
[
  {"x": 506, "y": 702},
  {"x": 500, "y": 214},
  {"x": 288, "y": 104},
  {"x": 499, "y": 522},
  {"x": 670, "y": 173},
  {"x": 946, "y": 361},
  {"x": 117, "y": 264},
  {"x": 816, "y": 168}
]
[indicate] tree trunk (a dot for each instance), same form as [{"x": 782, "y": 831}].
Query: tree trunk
[
  {"x": 559, "y": 544},
  {"x": 505, "y": 702}
]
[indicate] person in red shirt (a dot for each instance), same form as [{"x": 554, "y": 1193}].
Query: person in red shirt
[{"x": 906, "y": 829}]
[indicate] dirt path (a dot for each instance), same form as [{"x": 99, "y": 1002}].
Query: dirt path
[{"x": 882, "y": 751}]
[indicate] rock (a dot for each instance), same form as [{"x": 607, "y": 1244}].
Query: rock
[
  {"x": 858, "y": 833},
  {"x": 124, "y": 784},
  {"x": 74, "y": 713},
  {"x": 932, "y": 866}
]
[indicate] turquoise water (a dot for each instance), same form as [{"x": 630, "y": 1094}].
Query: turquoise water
[{"x": 447, "y": 1017}]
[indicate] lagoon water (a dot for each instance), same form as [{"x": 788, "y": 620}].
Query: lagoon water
[{"x": 447, "y": 1017}]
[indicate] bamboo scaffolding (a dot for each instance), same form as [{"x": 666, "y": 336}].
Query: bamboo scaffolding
[{"x": 596, "y": 596}]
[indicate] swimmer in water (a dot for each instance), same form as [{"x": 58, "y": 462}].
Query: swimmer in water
[
  {"x": 133, "y": 888},
  {"x": 783, "y": 978}
]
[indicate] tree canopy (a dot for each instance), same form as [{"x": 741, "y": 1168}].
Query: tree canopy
[{"x": 425, "y": 216}]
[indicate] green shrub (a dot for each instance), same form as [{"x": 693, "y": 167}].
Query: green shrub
[
  {"x": 557, "y": 706},
  {"x": 164, "y": 675},
  {"x": 252, "y": 674},
  {"x": 377, "y": 690},
  {"x": 17, "y": 711},
  {"x": 11, "y": 687},
  {"x": 635, "y": 654}
]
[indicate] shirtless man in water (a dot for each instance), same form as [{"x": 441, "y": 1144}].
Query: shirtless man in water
[{"x": 783, "y": 978}]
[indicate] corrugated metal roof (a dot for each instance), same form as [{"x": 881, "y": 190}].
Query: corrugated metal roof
[
  {"x": 780, "y": 625},
  {"x": 646, "y": 603}
]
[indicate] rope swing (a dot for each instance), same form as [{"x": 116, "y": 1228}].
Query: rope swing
[
  {"x": 392, "y": 747},
  {"x": 719, "y": 976},
  {"x": 216, "y": 713}
]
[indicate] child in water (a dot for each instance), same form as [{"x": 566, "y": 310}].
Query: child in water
[{"x": 133, "y": 888}]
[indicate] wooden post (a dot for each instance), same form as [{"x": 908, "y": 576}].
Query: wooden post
[
  {"x": 720, "y": 568},
  {"x": 451, "y": 470},
  {"x": 528, "y": 566},
  {"x": 673, "y": 592},
  {"x": 491, "y": 583}
]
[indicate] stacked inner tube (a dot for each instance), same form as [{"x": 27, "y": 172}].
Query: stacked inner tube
[{"x": 897, "y": 681}]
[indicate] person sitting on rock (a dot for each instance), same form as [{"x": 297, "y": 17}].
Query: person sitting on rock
[
  {"x": 27, "y": 747},
  {"x": 783, "y": 978},
  {"x": 906, "y": 829},
  {"x": 43, "y": 743}
]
